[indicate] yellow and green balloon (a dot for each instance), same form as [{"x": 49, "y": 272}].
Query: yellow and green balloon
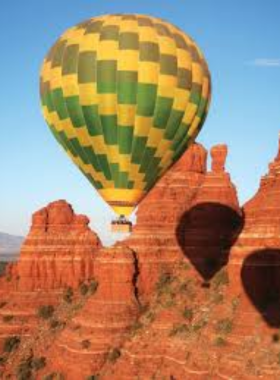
[{"x": 125, "y": 95}]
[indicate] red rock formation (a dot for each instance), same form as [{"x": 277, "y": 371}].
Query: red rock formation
[
  {"x": 160, "y": 209},
  {"x": 251, "y": 298},
  {"x": 163, "y": 215},
  {"x": 58, "y": 251},
  {"x": 105, "y": 319},
  {"x": 262, "y": 224},
  {"x": 255, "y": 259},
  {"x": 39, "y": 221},
  {"x": 219, "y": 155},
  {"x": 192, "y": 221},
  {"x": 207, "y": 230},
  {"x": 158, "y": 216},
  {"x": 194, "y": 160}
]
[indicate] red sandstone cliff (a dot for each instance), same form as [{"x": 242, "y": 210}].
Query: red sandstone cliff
[
  {"x": 57, "y": 252},
  {"x": 193, "y": 293},
  {"x": 255, "y": 258},
  {"x": 188, "y": 210},
  {"x": 105, "y": 320}
]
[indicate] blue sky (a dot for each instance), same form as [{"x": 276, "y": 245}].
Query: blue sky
[{"x": 240, "y": 40}]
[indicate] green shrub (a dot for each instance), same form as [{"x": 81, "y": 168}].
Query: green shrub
[
  {"x": 169, "y": 300},
  {"x": 188, "y": 314},
  {"x": 220, "y": 279},
  {"x": 8, "y": 318},
  {"x": 164, "y": 280},
  {"x": 68, "y": 294},
  {"x": 114, "y": 355},
  {"x": 54, "y": 376},
  {"x": 136, "y": 327},
  {"x": 185, "y": 266},
  {"x": 86, "y": 344},
  {"x": 84, "y": 289},
  {"x": 187, "y": 289},
  {"x": 11, "y": 343},
  {"x": 24, "y": 370},
  {"x": 45, "y": 311},
  {"x": 224, "y": 326},
  {"x": 27, "y": 366},
  {"x": 2, "y": 268},
  {"x": 217, "y": 298},
  {"x": 235, "y": 303},
  {"x": 144, "y": 308},
  {"x": 57, "y": 324},
  {"x": 150, "y": 316},
  {"x": 179, "y": 329},
  {"x": 38, "y": 363},
  {"x": 219, "y": 341},
  {"x": 199, "y": 325},
  {"x": 93, "y": 285},
  {"x": 3, "y": 360}
]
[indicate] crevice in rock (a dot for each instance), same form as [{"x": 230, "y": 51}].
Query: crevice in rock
[{"x": 135, "y": 277}]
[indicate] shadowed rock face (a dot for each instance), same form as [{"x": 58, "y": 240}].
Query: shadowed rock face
[
  {"x": 261, "y": 280},
  {"x": 208, "y": 229},
  {"x": 206, "y": 233}
]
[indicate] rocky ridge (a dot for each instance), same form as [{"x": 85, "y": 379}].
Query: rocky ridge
[{"x": 197, "y": 272}]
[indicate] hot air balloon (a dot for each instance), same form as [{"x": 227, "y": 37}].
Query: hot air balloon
[{"x": 125, "y": 95}]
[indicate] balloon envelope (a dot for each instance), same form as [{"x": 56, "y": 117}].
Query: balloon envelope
[{"x": 125, "y": 95}]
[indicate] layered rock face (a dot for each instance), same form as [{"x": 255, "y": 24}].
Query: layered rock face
[
  {"x": 255, "y": 259},
  {"x": 102, "y": 326},
  {"x": 158, "y": 215},
  {"x": 243, "y": 316},
  {"x": 262, "y": 224},
  {"x": 158, "y": 212},
  {"x": 58, "y": 252},
  {"x": 208, "y": 229},
  {"x": 193, "y": 293},
  {"x": 188, "y": 210}
]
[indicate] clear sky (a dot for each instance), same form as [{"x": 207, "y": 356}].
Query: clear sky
[{"x": 240, "y": 40}]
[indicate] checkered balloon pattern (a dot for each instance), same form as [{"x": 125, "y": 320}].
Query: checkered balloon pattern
[{"x": 125, "y": 95}]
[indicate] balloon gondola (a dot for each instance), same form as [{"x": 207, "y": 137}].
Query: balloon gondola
[
  {"x": 125, "y": 96},
  {"x": 121, "y": 225}
]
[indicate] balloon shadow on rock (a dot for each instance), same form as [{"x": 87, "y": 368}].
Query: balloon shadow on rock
[
  {"x": 206, "y": 233},
  {"x": 260, "y": 276}
]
